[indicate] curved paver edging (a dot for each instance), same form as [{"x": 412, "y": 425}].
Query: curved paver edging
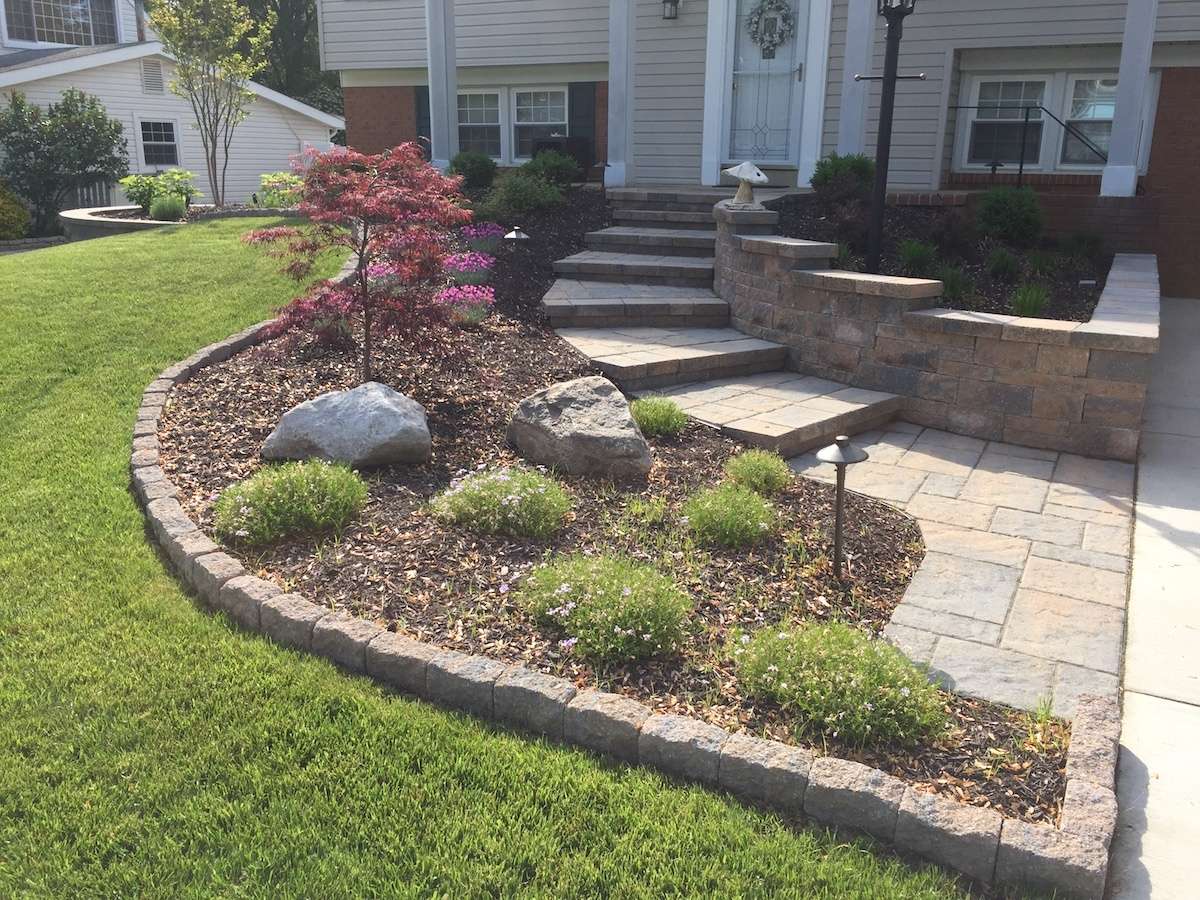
[
  {"x": 975, "y": 841},
  {"x": 90, "y": 222}
]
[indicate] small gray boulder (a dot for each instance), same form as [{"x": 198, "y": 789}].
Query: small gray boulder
[
  {"x": 371, "y": 425},
  {"x": 582, "y": 427}
]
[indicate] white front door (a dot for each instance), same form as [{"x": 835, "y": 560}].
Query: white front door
[{"x": 766, "y": 81}]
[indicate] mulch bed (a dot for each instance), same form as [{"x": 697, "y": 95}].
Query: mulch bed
[
  {"x": 456, "y": 589},
  {"x": 800, "y": 216}
]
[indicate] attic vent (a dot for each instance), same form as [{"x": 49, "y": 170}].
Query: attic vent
[{"x": 152, "y": 76}]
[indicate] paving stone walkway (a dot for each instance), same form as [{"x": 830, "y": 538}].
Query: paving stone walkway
[{"x": 1022, "y": 593}]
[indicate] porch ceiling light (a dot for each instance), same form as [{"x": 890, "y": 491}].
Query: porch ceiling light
[
  {"x": 903, "y": 7},
  {"x": 671, "y": 9}
]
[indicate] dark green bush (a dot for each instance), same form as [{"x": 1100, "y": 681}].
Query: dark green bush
[
  {"x": 611, "y": 608},
  {"x": 1029, "y": 300},
  {"x": 917, "y": 258},
  {"x": 956, "y": 283},
  {"x": 516, "y": 195},
  {"x": 841, "y": 682},
  {"x": 730, "y": 516},
  {"x": 762, "y": 471},
  {"x": 478, "y": 170},
  {"x": 1012, "y": 215},
  {"x": 294, "y": 498},
  {"x": 555, "y": 167},
  {"x": 517, "y": 502},
  {"x": 657, "y": 416},
  {"x": 1003, "y": 265},
  {"x": 839, "y": 180},
  {"x": 168, "y": 208},
  {"x": 14, "y": 217}
]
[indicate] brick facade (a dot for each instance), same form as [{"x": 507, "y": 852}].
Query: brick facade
[{"x": 380, "y": 117}]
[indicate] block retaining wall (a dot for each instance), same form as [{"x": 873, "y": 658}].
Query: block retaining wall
[
  {"x": 1058, "y": 385},
  {"x": 984, "y": 845}
]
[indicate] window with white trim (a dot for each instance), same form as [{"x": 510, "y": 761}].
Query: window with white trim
[
  {"x": 1092, "y": 103},
  {"x": 479, "y": 126},
  {"x": 998, "y": 123},
  {"x": 80, "y": 23},
  {"x": 537, "y": 114},
  {"x": 160, "y": 145}
]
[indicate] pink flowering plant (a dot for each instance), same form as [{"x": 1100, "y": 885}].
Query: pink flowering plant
[
  {"x": 610, "y": 608},
  {"x": 395, "y": 214},
  {"x": 471, "y": 267},
  {"x": 514, "y": 501},
  {"x": 468, "y": 304},
  {"x": 482, "y": 236}
]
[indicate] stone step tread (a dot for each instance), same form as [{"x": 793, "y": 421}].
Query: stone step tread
[
  {"x": 685, "y": 195},
  {"x": 640, "y": 260},
  {"x": 582, "y": 289},
  {"x": 691, "y": 236},
  {"x": 662, "y": 215}
]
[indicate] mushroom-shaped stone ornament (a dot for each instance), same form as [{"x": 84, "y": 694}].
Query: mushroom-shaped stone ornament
[{"x": 748, "y": 175}]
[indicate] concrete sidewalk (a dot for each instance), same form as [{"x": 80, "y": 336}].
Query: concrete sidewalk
[{"x": 1156, "y": 852}]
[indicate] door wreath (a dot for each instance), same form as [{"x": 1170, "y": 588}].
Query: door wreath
[{"x": 771, "y": 25}]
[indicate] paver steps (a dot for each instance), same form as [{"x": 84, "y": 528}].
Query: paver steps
[
  {"x": 572, "y": 302},
  {"x": 654, "y": 241},
  {"x": 602, "y": 265},
  {"x": 665, "y": 218}
]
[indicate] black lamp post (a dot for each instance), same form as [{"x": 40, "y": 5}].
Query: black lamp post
[{"x": 895, "y": 11}]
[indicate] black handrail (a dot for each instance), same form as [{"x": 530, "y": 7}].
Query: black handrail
[{"x": 1029, "y": 108}]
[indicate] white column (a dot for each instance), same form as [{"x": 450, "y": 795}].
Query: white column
[
  {"x": 1121, "y": 172},
  {"x": 716, "y": 92},
  {"x": 443, "y": 81},
  {"x": 621, "y": 17},
  {"x": 860, "y": 46}
]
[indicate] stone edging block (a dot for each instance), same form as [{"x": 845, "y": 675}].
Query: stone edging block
[{"x": 836, "y": 792}]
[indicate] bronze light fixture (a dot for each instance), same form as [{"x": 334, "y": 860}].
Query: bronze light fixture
[
  {"x": 670, "y": 9},
  {"x": 841, "y": 453}
]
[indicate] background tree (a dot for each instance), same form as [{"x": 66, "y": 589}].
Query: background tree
[
  {"x": 46, "y": 156},
  {"x": 393, "y": 212},
  {"x": 217, "y": 48},
  {"x": 294, "y": 55}
]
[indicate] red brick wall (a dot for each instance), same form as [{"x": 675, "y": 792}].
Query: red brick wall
[{"x": 380, "y": 117}]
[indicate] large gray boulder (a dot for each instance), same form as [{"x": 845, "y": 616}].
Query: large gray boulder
[
  {"x": 371, "y": 425},
  {"x": 582, "y": 427}
]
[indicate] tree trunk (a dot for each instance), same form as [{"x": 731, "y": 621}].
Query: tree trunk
[{"x": 366, "y": 346}]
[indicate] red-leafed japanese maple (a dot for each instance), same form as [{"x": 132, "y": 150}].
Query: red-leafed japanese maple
[{"x": 393, "y": 212}]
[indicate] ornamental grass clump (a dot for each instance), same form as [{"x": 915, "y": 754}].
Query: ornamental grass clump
[
  {"x": 658, "y": 416},
  {"x": 842, "y": 683},
  {"x": 762, "y": 471},
  {"x": 610, "y": 608},
  {"x": 516, "y": 502},
  {"x": 729, "y": 515},
  {"x": 309, "y": 497}
]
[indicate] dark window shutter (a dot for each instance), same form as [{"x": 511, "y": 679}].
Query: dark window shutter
[
  {"x": 582, "y": 114},
  {"x": 424, "y": 131}
]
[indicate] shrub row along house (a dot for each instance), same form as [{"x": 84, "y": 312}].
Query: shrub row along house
[
  {"x": 670, "y": 92},
  {"x": 106, "y": 48}
]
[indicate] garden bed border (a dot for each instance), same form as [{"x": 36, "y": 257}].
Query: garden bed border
[
  {"x": 978, "y": 842},
  {"x": 88, "y": 222}
]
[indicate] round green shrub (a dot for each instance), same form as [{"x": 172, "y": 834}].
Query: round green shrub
[
  {"x": 843, "y": 683},
  {"x": 516, "y": 195},
  {"x": 555, "y": 167},
  {"x": 729, "y": 515},
  {"x": 1013, "y": 215},
  {"x": 14, "y": 217},
  {"x": 478, "y": 170},
  {"x": 838, "y": 180},
  {"x": 294, "y": 498},
  {"x": 657, "y": 416},
  {"x": 168, "y": 208},
  {"x": 917, "y": 258},
  {"x": 762, "y": 471},
  {"x": 517, "y": 502},
  {"x": 611, "y": 608}
]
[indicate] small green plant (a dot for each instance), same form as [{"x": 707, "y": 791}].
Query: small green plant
[
  {"x": 838, "y": 180},
  {"x": 1029, "y": 300},
  {"x": 14, "y": 217},
  {"x": 518, "y": 502},
  {"x": 658, "y": 416},
  {"x": 293, "y": 498},
  {"x": 279, "y": 190},
  {"x": 762, "y": 471},
  {"x": 647, "y": 512},
  {"x": 729, "y": 515},
  {"x": 478, "y": 170},
  {"x": 842, "y": 683},
  {"x": 555, "y": 167},
  {"x": 1012, "y": 215},
  {"x": 168, "y": 208},
  {"x": 1043, "y": 264},
  {"x": 956, "y": 284},
  {"x": 847, "y": 260},
  {"x": 1003, "y": 265},
  {"x": 917, "y": 258},
  {"x": 611, "y": 608},
  {"x": 516, "y": 195},
  {"x": 143, "y": 189}
]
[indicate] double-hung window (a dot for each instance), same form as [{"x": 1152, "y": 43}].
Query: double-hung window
[
  {"x": 537, "y": 114},
  {"x": 80, "y": 23},
  {"x": 479, "y": 126},
  {"x": 160, "y": 143},
  {"x": 1092, "y": 102},
  {"x": 998, "y": 122}
]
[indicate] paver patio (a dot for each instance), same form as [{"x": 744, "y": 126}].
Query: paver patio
[{"x": 1022, "y": 593}]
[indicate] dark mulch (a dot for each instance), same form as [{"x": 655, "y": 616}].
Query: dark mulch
[
  {"x": 457, "y": 589},
  {"x": 801, "y": 216}
]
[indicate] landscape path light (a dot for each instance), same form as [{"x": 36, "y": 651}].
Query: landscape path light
[
  {"x": 516, "y": 234},
  {"x": 841, "y": 453}
]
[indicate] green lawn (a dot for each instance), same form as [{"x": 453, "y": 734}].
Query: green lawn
[{"x": 149, "y": 749}]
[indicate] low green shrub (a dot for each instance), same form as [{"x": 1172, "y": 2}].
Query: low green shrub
[
  {"x": 516, "y": 195},
  {"x": 555, "y": 167},
  {"x": 168, "y": 208},
  {"x": 729, "y": 515},
  {"x": 838, "y": 180},
  {"x": 956, "y": 284},
  {"x": 1013, "y": 215},
  {"x": 762, "y": 471},
  {"x": 1003, "y": 265},
  {"x": 1043, "y": 263},
  {"x": 279, "y": 190},
  {"x": 1029, "y": 300},
  {"x": 841, "y": 682},
  {"x": 478, "y": 170},
  {"x": 611, "y": 608},
  {"x": 657, "y": 416},
  {"x": 14, "y": 216},
  {"x": 917, "y": 258},
  {"x": 293, "y": 498},
  {"x": 142, "y": 189},
  {"x": 518, "y": 502}
]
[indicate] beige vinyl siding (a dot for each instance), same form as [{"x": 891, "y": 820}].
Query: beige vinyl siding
[
  {"x": 377, "y": 34},
  {"x": 265, "y": 142},
  {"x": 669, "y": 93}
]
